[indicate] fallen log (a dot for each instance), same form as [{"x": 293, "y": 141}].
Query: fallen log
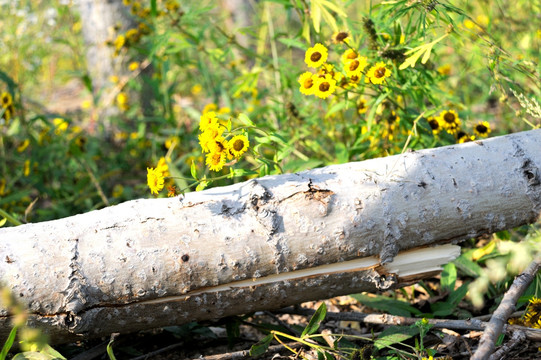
[{"x": 268, "y": 242}]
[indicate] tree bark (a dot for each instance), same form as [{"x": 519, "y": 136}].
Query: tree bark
[
  {"x": 269, "y": 242},
  {"x": 99, "y": 18}
]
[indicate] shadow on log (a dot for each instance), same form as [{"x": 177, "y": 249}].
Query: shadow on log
[{"x": 269, "y": 242}]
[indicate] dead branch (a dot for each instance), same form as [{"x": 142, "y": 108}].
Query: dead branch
[{"x": 504, "y": 310}]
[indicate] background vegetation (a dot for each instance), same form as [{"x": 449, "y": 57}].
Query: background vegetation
[{"x": 450, "y": 72}]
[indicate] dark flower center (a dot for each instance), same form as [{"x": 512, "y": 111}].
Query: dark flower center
[
  {"x": 238, "y": 145},
  {"x": 220, "y": 146},
  {"x": 434, "y": 124},
  {"x": 315, "y": 56},
  {"x": 352, "y": 55},
  {"x": 341, "y": 36},
  {"x": 481, "y": 129},
  {"x": 380, "y": 72},
  {"x": 325, "y": 86},
  {"x": 354, "y": 65},
  {"x": 449, "y": 117},
  {"x": 308, "y": 83}
]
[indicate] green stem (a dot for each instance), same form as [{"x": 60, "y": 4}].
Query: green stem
[{"x": 10, "y": 218}]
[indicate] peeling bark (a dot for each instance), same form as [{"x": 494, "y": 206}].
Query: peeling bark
[{"x": 269, "y": 242}]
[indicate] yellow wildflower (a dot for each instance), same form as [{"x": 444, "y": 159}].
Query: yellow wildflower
[
  {"x": 216, "y": 160},
  {"x": 60, "y": 124},
  {"x": 210, "y": 107},
  {"x": 134, "y": 65},
  {"x": 238, "y": 145},
  {"x": 316, "y": 56},
  {"x": 122, "y": 101},
  {"x": 341, "y": 37},
  {"x": 210, "y": 133},
  {"x": 163, "y": 167},
  {"x": 26, "y": 167},
  {"x": 378, "y": 73},
  {"x": 482, "y": 129},
  {"x": 207, "y": 119},
  {"x": 306, "y": 81},
  {"x": 155, "y": 180},
  {"x": 196, "y": 89},
  {"x": 23, "y": 146},
  {"x": 324, "y": 86}
]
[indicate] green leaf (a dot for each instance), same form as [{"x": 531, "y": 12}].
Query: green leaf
[
  {"x": 315, "y": 321},
  {"x": 342, "y": 153},
  {"x": 448, "y": 277},
  {"x": 425, "y": 50},
  {"x": 3, "y": 221},
  {"x": 383, "y": 303},
  {"x": 241, "y": 172},
  {"x": 293, "y": 43},
  {"x": 306, "y": 30},
  {"x": 153, "y": 8},
  {"x": 193, "y": 170},
  {"x": 261, "y": 347},
  {"x": 31, "y": 355},
  {"x": 468, "y": 267},
  {"x": 244, "y": 119},
  {"x": 459, "y": 294},
  {"x": 504, "y": 235},
  {"x": 8, "y": 343},
  {"x": 202, "y": 185},
  {"x": 315, "y": 11},
  {"x": 395, "y": 334},
  {"x": 334, "y": 7},
  {"x": 329, "y": 19},
  {"x": 110, "y": 349}
]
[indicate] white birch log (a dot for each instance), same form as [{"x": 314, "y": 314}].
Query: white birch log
[{"x": 269, "y": 242}]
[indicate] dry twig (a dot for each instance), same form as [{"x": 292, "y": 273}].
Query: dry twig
[
  {"x": 243, "y": 354},
  {"x": 504, "y": 310},
  {"x": 386, "y": 319},
  {"x": 517, "y": 338}
]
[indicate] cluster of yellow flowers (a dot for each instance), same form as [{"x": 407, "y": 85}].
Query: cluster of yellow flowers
[
  {"x": 449, "y": 121},
  {"x": 6, "y": 110},
  {"x": 156, "y": 176},
  {"x": 327, "y": 80},
  {"x": 532, "y": 316},
  {"x": 217, "y": 147},
  {"x": 133, "y": 36}
]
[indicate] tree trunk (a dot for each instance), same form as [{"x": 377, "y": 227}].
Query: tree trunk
[
  {"x": 99, "y": 18},
  {"x": 269, "y": 242}
]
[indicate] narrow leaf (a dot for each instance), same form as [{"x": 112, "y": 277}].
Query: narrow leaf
[
  {"x": 329, "y": 19},
  {"x": 315, "y": 321},
  {"x": 261, "y": 347},
  {"x": 202, "y": 185},
  {"x": 315, "y": 11},
  {"x": 8, "y": 343},
  {"x": 193, "y": 170},
  {"x": 244, "y": 119},
  {"x": 383, "y": 303},
  {"x": 110, "y": 350},
  {"x": 448, "y": 277},
  {"x": 334, "y": 7},
  {"x": 395, "y": 334}
]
